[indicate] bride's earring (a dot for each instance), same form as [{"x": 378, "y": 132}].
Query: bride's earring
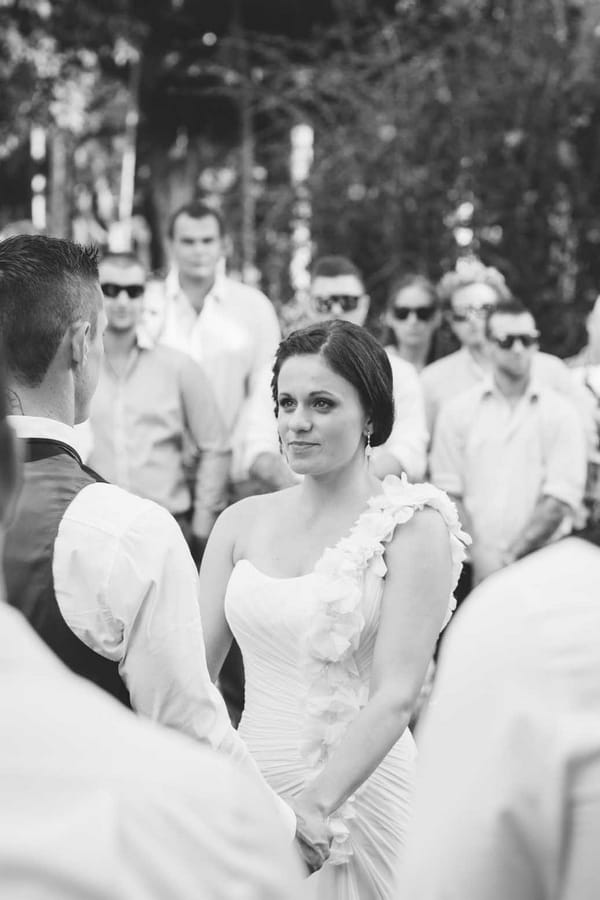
[{"x": 368, "y": 448}]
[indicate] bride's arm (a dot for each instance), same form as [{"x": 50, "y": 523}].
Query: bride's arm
[{"x": 413, "y": 607}]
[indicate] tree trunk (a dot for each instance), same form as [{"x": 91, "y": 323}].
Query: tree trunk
[{"x": 59, "y": 209}]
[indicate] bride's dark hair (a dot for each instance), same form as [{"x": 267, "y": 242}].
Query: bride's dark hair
[{"x": 353, "y": 353}]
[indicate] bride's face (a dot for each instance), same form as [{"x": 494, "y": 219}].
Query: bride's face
[{"x": 321, "y": 420}]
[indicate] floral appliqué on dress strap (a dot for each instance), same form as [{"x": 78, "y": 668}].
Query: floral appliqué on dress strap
[{"x": 336, "y": 693}]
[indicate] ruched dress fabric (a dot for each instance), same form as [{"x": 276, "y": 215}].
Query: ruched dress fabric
[{"x": 307, "y": 644}]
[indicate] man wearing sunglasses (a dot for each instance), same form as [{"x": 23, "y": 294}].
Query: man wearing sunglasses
[
  {"x": 511, "y": 451},
  {"x": 471, "y": 292},
  {"x": 153, "y": 410}
]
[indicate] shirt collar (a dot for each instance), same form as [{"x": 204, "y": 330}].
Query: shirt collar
[
  {"x": 143, "y": 340},
  {"x": 41, "y": 427},
  {"x": 490, "y": 388},
  {"x": 173, "y": 289}
]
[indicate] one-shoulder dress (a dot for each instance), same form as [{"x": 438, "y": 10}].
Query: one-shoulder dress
[{"x": 307, "y": 644}]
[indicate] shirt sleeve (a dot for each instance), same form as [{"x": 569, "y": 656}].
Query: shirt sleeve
[
  {"x": 408, "y": 440},
  {"x": 207, "y": 431},
  {"x": 561, "y": 379},
  {"x": 267, "y": 334},
  {"x": 259, "y": 434},
  {"x": 447, "y": 453},
  {"x": 565, "y": 454},
  {"x": 127, "y": 586}
]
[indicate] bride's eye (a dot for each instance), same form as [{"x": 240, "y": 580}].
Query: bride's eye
[
  {"x": 323, "y": 403},
  {"x": 285, "y": 402}
]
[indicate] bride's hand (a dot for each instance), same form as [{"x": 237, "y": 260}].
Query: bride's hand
[{"x": 312, "y": 833}]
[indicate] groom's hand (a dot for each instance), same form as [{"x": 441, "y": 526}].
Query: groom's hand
[
  {"x": 312, "y": 857},
  {"x": 312, "y": 833}
]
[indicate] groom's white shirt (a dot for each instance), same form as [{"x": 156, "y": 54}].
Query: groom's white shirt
[
  {"x": 127, "y": 586},
  {"x": 98, "y": 803}
]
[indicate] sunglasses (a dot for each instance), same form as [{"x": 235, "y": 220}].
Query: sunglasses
[
  {"x": 346, "y": 302},
  {"x": 508, "y": 342},
  {"x": 472, "y": 312},
  {"x": 423, "y": 313},
  {"x": 112, "y": 291}
]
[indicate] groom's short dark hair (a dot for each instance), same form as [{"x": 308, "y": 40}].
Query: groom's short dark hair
[{"x": 46, "y": 284}]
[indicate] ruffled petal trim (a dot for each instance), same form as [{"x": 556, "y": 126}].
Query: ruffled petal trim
[{"x": 335, "y": 690}]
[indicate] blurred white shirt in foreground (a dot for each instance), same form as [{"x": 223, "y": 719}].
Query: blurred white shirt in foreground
[
  {"x": 97, "y": 803},
  {"x": 508, "y": 789}
]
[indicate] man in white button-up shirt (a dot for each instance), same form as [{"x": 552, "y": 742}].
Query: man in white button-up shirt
[
  {"x": 510, "y": 451},
  {"x": 98, "y": 803},
  {"x": 229, "y": 328},
  {"x": 112, "y": 588}
]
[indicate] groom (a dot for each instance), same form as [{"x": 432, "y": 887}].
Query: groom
[
  {"x": 104, "y": 577},
  {"x": 98, "y": 802}
]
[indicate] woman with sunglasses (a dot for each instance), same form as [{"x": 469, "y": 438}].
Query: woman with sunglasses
[{"x": 413, "y": 316}]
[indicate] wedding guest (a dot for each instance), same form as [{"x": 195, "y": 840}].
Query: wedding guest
[
  {"x": 413, "y": 316},
  {"x": 154, "y": 409},
  {"x": 508, "y": 777},
  {"x": 98, "y": 803},
  {"x": 472, "y": 291},
  {"x": 589, "y": 355},
  {"x": 229, "y": 328},
  {"x": 511, "y": 451},
  {"x": 104, "y": 577},
  {"x": 585, "y": 370}
]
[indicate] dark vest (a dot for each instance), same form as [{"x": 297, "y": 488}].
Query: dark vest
[{"x": 53, "y": 476}]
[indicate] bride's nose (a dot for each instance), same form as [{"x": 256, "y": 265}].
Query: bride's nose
[{"x": 299, "y": 420}]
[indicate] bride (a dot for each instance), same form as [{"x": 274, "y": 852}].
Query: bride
[{"x": 336, "y": 590}]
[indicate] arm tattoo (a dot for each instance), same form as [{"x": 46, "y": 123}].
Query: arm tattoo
[{"x": 15, "y": 407}]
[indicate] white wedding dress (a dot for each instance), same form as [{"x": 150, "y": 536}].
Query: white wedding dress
[{"x": 307, "y": 644}]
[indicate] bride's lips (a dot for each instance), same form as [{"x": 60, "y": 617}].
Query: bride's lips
[{"x": 301, "y": 445}]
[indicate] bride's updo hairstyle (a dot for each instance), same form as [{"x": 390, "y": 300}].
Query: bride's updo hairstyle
[{"x": 350, "y": 351}]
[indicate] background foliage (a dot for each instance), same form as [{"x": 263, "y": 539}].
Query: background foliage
[{"x": 428, "y": 116}]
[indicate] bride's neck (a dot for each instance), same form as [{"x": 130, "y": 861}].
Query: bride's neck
[{"x": 340, "y": 489}]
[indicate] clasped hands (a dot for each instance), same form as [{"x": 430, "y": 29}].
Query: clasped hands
[{"x": 313, "y": 835}]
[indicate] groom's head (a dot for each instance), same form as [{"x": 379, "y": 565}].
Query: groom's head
[{"x": 52, "y": 322}]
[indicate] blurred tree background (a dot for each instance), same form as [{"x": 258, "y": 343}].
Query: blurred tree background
[{"x": 440, "y": 128}]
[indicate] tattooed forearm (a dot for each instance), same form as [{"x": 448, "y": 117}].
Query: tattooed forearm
[{"x": 15, "y": 407}]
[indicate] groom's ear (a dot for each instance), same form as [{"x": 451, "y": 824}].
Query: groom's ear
[{"x": 79, "y": 342}]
